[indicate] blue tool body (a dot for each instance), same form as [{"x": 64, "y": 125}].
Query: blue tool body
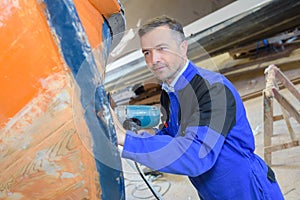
[{"x": 147, "y": 116}]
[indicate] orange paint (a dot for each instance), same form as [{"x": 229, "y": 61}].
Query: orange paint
[
  {"x": 28, "y": 54},
  {"x": 106, "y": 7},
  {"x": 91, "y": 20}
]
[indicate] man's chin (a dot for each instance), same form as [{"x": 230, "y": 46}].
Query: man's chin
[{"x": 161, "y": 78}]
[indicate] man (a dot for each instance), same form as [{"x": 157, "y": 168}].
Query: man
[{"x": 206, "y": 134}]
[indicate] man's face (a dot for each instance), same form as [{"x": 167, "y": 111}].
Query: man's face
[{"x": 164, "y": 56}]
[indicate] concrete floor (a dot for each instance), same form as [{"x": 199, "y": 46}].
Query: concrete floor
[{"x": 286, "y": 163}]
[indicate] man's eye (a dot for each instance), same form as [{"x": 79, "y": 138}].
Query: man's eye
[{"x": 146, "y": 53}]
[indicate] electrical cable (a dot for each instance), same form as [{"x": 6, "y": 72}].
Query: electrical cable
[
  {"x": 138, "y": 188},
  {"x": 156, "y": 194},
  {"x": 132, "y": 125}
]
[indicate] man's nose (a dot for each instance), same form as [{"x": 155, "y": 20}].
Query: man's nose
[{"x": 156, "y": 56}]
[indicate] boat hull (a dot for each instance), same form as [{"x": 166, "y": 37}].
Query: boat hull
[{"x": 52, "y": 140}]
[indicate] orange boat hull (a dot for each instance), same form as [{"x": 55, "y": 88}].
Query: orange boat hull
[{"x": 46, "y": 148}]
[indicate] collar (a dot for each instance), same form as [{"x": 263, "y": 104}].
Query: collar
[{"x": 171, "y": 87}]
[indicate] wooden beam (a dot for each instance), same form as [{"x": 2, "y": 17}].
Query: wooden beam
[
  {"x": 288, "y": 84},
  {"x": 278, "y": 147},
  {"x": 268, "y": 126},
  {"x": 286, "y": 105}
]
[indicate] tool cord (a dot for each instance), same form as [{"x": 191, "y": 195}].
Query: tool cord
[
  {"x": 156, "y": 194},
  {"x": 131, "y": 124}
]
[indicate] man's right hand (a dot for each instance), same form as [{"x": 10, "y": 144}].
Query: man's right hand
[{"x": 120, "y": 131}]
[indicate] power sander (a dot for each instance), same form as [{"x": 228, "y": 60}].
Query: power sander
[{"x": 135, "y": 117}]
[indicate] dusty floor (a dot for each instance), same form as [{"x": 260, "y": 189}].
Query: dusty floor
[{"x": 286, "y": 163}]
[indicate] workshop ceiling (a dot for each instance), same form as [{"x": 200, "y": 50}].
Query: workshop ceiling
[
  {"x": 212, "y": 28},
  {"x": 138, "y": 12},
  {"x": 186, "y": 11}
]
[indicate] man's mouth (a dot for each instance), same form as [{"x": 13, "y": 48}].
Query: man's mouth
[{"x": 159, "y": 68}]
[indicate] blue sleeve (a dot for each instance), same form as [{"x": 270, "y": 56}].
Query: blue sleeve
[
  {"x": 164, "y": 131},
  {"x": 191, "y": 155},
  {"x": 196, "y": 151}
]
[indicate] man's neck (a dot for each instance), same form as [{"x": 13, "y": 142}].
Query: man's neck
[
  {"x": 172, "y": 83},
  {"x": 178, "y": 74}
]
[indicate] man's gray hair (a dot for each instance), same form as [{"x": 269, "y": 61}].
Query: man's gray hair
[{"x": 163, "y": 21}]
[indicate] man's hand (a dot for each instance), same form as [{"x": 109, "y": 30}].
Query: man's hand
[
  {"x": 148, "y": 130},
  {"x": 121, "y": 132}
]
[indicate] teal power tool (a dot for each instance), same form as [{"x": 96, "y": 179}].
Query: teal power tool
[{"x": 135, "y": 117}]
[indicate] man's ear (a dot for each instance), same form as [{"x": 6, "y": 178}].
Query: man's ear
[{"x": 184, "y": 47}]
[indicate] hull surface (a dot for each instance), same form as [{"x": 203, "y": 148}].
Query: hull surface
[{"x": 57, "y": 139}]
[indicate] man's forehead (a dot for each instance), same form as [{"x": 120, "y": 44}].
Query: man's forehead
[{"x": 157, "y": 37}]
